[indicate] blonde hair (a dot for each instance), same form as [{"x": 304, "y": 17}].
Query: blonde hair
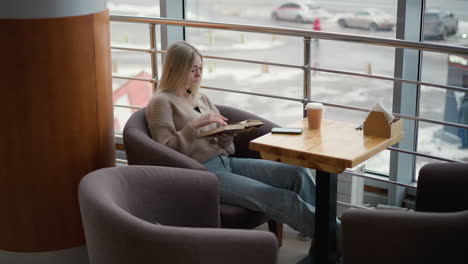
[{"x": 178, "y": 64}]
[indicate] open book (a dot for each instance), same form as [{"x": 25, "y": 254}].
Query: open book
[{"x": 238, "y": 126}]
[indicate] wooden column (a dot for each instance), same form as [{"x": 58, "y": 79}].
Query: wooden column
[{"x": 56, "y": 109}]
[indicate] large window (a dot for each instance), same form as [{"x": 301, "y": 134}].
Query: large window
[{"x": 445, "y": 22}]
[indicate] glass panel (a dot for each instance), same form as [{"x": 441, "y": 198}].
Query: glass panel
[
  {"x": 445, "y": 105},
  {"x": 131, "y": 63},
  {"x": 351, "y": 90},
  {"x": 380, "y": 163},
  {"x": 144, "y": 8},
  {"x": 131, "y": 35},
  {"x": 436, "y": 141},
  {"x": 445, "y": 22},
  {"x": 281, "y": 112},
  {"x": 129, "y": 93},
  {"x": 245, "y": 45},
  {"x": 257, "y": 78}
]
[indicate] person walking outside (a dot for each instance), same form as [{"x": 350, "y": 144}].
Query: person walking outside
[{"x": 316, "y": 26}]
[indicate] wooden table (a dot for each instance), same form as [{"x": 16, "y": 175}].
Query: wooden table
[{"x": 330, "y": 150}]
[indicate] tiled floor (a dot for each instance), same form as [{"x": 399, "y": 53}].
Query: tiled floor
[{"x": 293, "y": 249}]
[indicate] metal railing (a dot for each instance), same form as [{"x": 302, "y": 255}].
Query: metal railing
[{"x": 307, "y": 35}]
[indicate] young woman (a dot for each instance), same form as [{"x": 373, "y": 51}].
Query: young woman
[{"x": 177, "y": 113}]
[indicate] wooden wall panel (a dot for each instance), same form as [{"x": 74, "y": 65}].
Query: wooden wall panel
[{"x": 56, "y": 127}]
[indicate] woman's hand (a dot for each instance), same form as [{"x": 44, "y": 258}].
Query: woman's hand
[{"x": 208, "y": 119}]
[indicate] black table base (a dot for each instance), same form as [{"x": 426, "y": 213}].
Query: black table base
[{"x": 324, "y": 247}]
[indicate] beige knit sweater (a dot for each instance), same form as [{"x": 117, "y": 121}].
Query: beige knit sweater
[{"x": 168, "y": 117}]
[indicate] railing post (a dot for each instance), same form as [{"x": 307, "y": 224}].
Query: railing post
[
  {"x": 306, "y": 92},
  {"x": 154, "y": 59}
]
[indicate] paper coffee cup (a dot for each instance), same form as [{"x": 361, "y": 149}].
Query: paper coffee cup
[{"x": 314, "y": 115}]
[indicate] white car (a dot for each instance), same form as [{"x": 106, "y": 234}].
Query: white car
[
  {"x": 371, "y": 19},
  {"x": 300, "y": 12}
]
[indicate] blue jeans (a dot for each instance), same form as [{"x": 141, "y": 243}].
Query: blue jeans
[{"x": 285, "y": 193}]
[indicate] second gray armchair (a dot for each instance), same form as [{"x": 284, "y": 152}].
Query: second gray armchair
[
  {"x": 436, "y": 233},
  {"x": 151, "y": 214}
]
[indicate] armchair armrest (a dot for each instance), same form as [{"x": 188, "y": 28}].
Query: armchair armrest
[
  {"x": 143, "y": 150},
  {"x": 404, "y": 237},
  {"x": 181, "y": 197}
]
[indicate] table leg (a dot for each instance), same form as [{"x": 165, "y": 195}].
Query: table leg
[
  {"x": 325, "y": 222},
  {"x": 324, "y": 249}
]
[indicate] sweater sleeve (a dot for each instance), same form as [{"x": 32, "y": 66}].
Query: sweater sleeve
[
  {"x": 227, "y": 145},
  {"x": 161, "y": 124}
]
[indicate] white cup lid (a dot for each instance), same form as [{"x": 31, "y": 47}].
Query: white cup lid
[{"x": 314, "y": 106}]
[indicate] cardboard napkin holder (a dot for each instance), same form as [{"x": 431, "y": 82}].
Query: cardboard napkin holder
[{"x": 377, "y": 125}]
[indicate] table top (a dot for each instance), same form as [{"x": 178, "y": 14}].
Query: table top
[{"x": 332, "y": 148}]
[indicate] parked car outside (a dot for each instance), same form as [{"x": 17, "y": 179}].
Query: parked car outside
[
  {"x": 439, "y": 23},
  {"x": 300, "y": 12},
  {"x": 371, "y": 19}
]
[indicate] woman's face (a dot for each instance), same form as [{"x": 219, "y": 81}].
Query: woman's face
[{"x": 196, "y": 72}]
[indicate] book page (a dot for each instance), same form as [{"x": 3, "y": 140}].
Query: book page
[{"x": 238, "y": 126}]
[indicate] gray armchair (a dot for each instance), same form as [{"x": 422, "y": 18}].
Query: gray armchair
[
  {"x": 141, "y": 149},
  {"x": 436, "y": 233},
  {"x": 150, "y": 214}
]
